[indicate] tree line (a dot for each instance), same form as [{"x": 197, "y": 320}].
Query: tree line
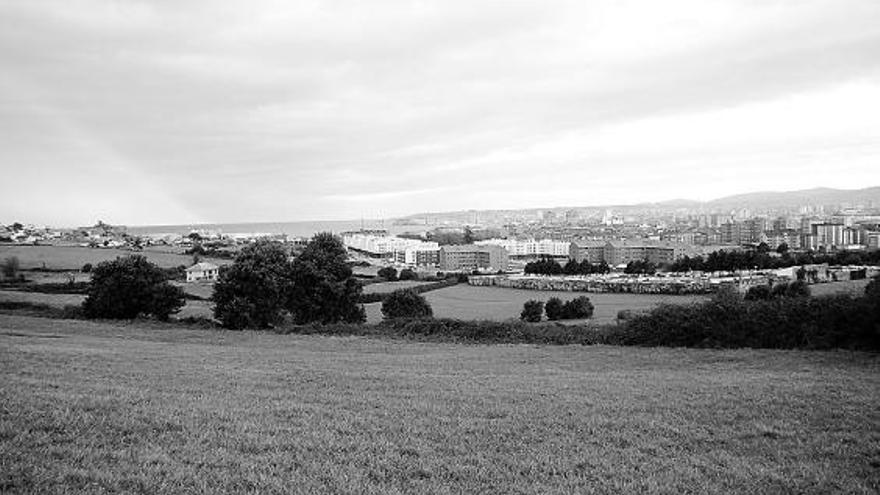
[
  {"x": 762, "y": 260},
  {"x": 716, "y": 261},
  {"x": 546, "y": 265}
]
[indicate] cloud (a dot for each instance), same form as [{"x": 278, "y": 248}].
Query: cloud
[{"x": 306, "y": 110}]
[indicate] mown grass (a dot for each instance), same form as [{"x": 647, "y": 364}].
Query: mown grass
[
  {"x": 136, "y": 407},
  {"x": 74, "y": 257}
]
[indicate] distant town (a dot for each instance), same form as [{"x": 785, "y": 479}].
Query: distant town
[{"x": 642, "y": 248}]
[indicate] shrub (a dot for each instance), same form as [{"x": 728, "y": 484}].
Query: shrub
[
  {"x": 255, "y": 289},
  {"x": 839, "y": 321},
  {"x": 554, "y": 308},
  {"x": 406, "y": 303},
  {"x": 389, "y": 273},
  {"x": 87, "y": 268},
  {"x": 578, "y": 308},
  {"x": 532, "y": 311},
  {"x": 128, "y": 287},
  {"x": 407, "y": 274}
]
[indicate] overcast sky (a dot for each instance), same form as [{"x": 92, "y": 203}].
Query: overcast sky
[{"x": 151, "y": 112}]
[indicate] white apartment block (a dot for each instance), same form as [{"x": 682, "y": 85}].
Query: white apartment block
[
  {"x": 530, "y": 247},
  {"x": 388, "y": 245}
]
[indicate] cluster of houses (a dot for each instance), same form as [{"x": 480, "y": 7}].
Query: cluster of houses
[{"x": 28, "y": 234}]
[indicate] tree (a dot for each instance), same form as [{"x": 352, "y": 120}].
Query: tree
[
  {"x": 578, "y": 308},
  {"x": 407, "y": 274},
  {"x": 17, "y": 227},
  {"x": 468, "y": 236},
  {"x": 782, "y": 248},
  {"x": 389, "y": 273},
  {"x": 532, "y": 311},
  {"x": 131, "y": 286},
  {"x": 324, "y": 288},
  {"x": 758, "y": 293},
  {"x": 554, "y": 308},
  {"x": 87, "y": 268},
  {"x": 255, "y": 290},
  {"x": 763, "y": 248},
  {"x": 405, "y": 303},
  {"x": 872, "y": 290}
]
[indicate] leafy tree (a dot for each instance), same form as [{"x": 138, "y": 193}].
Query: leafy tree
[
  {"x": 544, "y": 266},
  {"x": 762, "y": 248},
  {"x": 131, "y": 286},
  {"x": 17, "y": 227},
  {"x": 532, "y": 311},
  {"x": 554, "y": 309},
  {"x": 324, "y": 288},
  {"x": 87, "y": 268},
  {"x": 406, "y": 303},
  {"x": 640, "y": 266},
  {"x": 254, "y": 291},
  {"x": 758, "y": 293},
  {"x": 578, "y": 308},
  {"x": 407, "y": 274},
  {"x": 872, "y": 290},
  {"x": 782, "y": 248},
  {"x": 389, "y": 273},
  {"x": 572, "y": 267},
  {"x": 468, "y": 236}
]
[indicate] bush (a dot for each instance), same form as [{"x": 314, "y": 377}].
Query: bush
[
  {"x": 129, "y": 287},
  {"x": 87, "y": 268},
  {"x": 255, "y": 289},
  {"x": 389, "y": 273},
  {"x": 554, "y": 308},
  {"x": 407, "y": 274},
  {"x": 406, "y": 303},
  {"x": 578, "y": 308},
  {"x": 532, "y": 311},
  {"x": 727, "y": 321}
]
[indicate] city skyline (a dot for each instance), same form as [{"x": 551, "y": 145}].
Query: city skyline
[{"x": 143, "y": 113}]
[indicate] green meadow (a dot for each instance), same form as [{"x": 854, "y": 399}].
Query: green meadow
[{"x": 148, "y": 408}]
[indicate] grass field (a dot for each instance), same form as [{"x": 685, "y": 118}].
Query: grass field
[
  {"x": 387, "y": 287},
  {"x": 74, "y": 257},
  {"x": 469, "y": 302},
  {"x": 132, "y": 408}
]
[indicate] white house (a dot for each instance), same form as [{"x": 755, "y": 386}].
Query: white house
[{"x": 202, "y": 271}]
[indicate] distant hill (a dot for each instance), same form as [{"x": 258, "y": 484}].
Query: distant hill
[
  {"x": 756, "y": 201},
  {"x": 816, "y": 196}
]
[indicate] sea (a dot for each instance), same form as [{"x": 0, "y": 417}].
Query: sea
[{"x": 292, "y": 229}]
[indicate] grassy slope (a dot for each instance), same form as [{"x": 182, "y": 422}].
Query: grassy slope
[
  {"x": 74, "y": 257},
  {"x": 139, "y": 408}
]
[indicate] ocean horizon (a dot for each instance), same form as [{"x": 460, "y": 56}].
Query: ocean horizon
[{"x": 293, "y": 229}]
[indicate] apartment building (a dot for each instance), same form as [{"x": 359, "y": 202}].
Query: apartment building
[
  {"x": 530, "y": 247},
  {"x": 471, "y": 257}
]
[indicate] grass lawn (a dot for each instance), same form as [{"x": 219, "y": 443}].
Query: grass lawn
[
  {"x": 146, "y": 408},
  {"x": 388, "y": 287},
  {"x": 74, "y": 257},
  {"x": 468, "y": 302}
]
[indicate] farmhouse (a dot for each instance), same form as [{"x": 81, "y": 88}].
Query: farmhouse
[{"x": 202, "y": 271}]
